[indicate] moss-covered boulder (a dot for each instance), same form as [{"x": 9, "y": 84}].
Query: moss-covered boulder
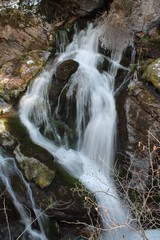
[
  {"x": 152, "y": 74},
  {"x": 34, "y": 169}
]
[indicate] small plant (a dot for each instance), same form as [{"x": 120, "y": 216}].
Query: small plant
[{"x": 145, "y": 40}]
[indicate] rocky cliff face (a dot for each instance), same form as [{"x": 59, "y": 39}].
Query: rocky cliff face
[
  {"x": 139, "y": 16},
  {"x": 127, "y": 19},
  {"x": 25, "y": 43},
  {"x": 27, "y": 31},
  {"x": 141, "y": 115},
  {"x": 136, "y": 23}
]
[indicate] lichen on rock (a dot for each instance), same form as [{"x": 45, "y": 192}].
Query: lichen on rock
[
  {"x": 152, "y": 74},
  {"x": 34, "y": 169},
  {"x": 16, "y": 74}
]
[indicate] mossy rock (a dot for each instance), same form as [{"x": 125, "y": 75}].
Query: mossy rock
[
  {"x": 34, "y": 169},
  {"x": 30, "y": 149},
  {"x": 62, "y": 184},
  {"x": 15, "y": 127},
  {"x": 144, "y": 64},
  {"x": 152, "y": 74}
]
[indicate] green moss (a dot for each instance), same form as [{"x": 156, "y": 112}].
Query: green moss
[
  {"x": 27, "y": 147},
  {"x": 65, "y": 177},
  {"x": 16, "y": 128},
  {"x": 155, "y": 81},
  {"x": 132, "y": 87},
  {"x": 141, "y": 65},
  {"x": 133, "y": 67},
  {"x": 145, "y": 40},
  {"x": 151, "y": 74},
  {"x": 1, "y": 92},
  {"x": 145, "y": 64}
]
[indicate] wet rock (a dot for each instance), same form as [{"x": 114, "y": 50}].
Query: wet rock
[
  {"x": 139, "y": 125},
  {"x": 34, "y": 170},
  {"x": 16, "y": 228},
  {"x": 64, "y": 199},
  {"x": 63, "y": 118},
  {"x": 86, "y": 6},
  {"x": 7, "y": 140},
  {"x": 63, "y": 9},
  {"x": 66, "y": 69},
  {"x": 152, "y": 74}
]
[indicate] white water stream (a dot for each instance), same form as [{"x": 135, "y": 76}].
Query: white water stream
[
  {"x": 8, "y": 168},
  {"x": 92, "y": 161}
]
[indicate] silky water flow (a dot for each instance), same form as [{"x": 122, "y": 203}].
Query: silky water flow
[
  {"x": 93, "y": 157},
  {"x": 8, "y": 169}
]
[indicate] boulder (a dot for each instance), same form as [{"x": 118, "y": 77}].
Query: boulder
[
  {"x": 66, "y": 69},
  {"x": 34, "y": 169},
  {"x": 87, "y": 6},
  {"x": 62, "y": 119},
  {"x": 152, "y": 74}
]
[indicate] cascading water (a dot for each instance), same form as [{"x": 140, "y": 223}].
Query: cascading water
[
  {"x": 7, "y": 169},
  {"x": 91, "y": 162}
]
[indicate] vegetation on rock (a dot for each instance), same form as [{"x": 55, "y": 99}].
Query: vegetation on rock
[
  {"x": 152, "y": 74},
  {"x": 34, "y": 169}
]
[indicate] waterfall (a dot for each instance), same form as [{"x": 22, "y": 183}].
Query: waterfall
[
  {"x": 92, "y": 159},
  {"x": 7, "y": 169}
]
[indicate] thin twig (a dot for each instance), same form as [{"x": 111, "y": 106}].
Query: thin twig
[{"x": 6, "y": 216}]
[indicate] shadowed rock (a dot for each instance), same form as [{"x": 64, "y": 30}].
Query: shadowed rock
[{"x": 66, "y": 69}]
